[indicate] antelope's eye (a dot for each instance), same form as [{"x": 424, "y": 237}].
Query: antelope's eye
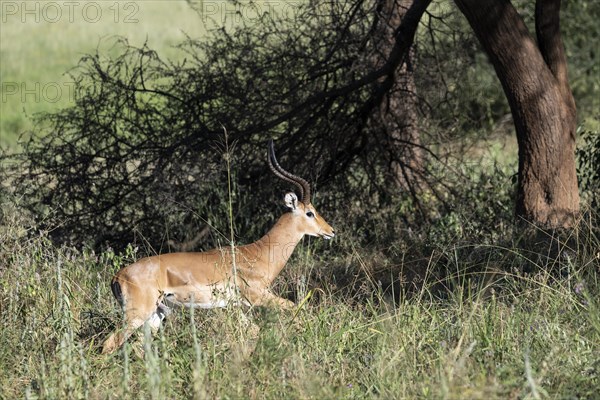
[{"x": 310, "y": 214}]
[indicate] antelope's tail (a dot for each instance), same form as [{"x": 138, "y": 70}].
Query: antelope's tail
[{"x": 115, "y": 286}]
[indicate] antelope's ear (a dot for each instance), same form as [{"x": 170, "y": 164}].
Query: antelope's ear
[{"x": 291, "y": 200}]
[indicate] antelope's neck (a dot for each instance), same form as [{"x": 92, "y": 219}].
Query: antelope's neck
[{"x": 276, "y": 247}]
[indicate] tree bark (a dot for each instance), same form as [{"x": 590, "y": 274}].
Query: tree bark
[
  {"x": 534, "y": 79},
  {"x": 397, "y": 112}
]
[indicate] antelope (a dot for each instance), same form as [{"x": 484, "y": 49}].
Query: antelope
[{"x": 148, "y": 288}]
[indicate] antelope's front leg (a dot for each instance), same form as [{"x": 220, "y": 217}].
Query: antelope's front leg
[{"x": 264, "y": 297}]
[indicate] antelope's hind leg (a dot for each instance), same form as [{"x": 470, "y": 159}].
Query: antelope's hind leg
[{"x": 138, "y": 310}]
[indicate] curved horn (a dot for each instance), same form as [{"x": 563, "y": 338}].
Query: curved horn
[{"x": 302, "y": 184}]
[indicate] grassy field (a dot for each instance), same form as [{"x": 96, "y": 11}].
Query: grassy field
[{"x": 492, "y": 335}]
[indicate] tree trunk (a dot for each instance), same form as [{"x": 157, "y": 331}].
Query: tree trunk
[
  {"x": 397, "y": 112},
  {"x": 534, "y": 78}
]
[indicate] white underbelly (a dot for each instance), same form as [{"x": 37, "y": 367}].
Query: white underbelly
[
  {"x": 214, "y": 296},
  {"x": 210, "y": 304}
]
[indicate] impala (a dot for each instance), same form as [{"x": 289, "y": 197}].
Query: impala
[{"x": 147, "y": 288}]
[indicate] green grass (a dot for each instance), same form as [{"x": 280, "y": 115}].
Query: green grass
[{"x": 495, "y": 335}]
